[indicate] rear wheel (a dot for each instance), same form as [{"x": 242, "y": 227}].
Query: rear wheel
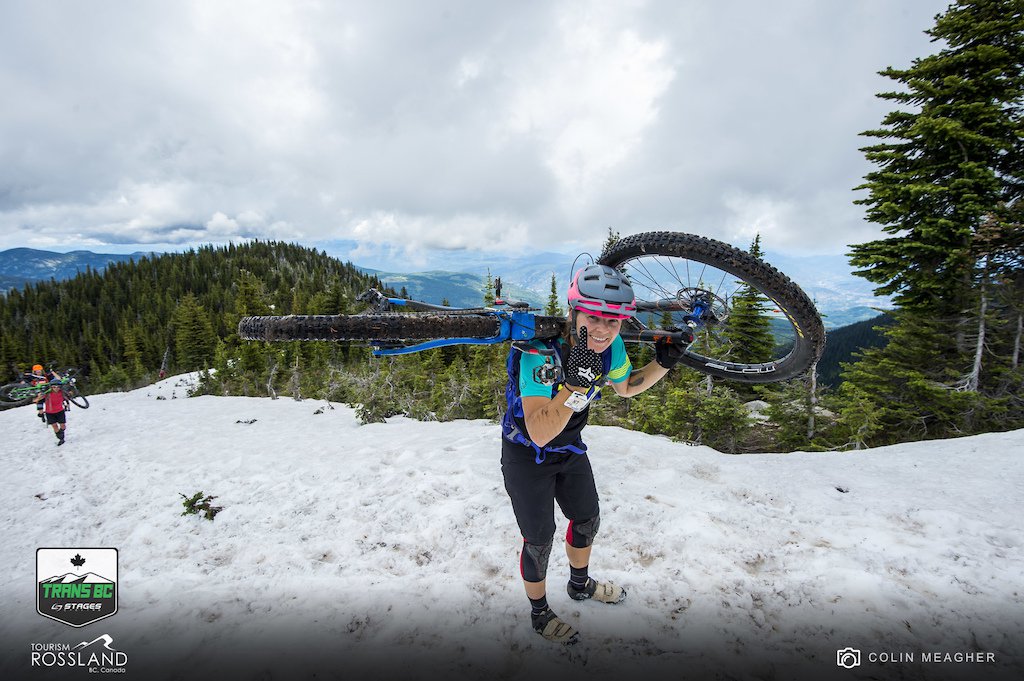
[
  {"x": 753, "y": 324},
  {"x": 14, "y": 394}
]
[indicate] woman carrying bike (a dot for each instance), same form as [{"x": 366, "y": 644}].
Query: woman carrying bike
[
  {"x": 53, "y": 406},
  {"x": 543, "y": 458}
]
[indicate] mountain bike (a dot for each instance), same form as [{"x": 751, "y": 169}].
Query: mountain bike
[
  {"x": 698, "y": 292},
  {"x": 23, "y": 392}
]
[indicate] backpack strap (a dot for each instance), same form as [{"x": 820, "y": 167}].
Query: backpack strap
[
  {"x": 514, "y": 401},
  {"x": 541, "y": 453}
]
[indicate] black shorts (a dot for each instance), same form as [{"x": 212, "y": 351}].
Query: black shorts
[
  {"x": 59, "y": 417},
  {"x": 535, "y": 487}
]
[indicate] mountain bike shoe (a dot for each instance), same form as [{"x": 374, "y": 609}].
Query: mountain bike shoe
[
  {"x": 606, "y": 592},
  {"x": 548, "y": 625}
]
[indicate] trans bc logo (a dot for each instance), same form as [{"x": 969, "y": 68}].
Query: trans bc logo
[{"x": 76, "y": 586}]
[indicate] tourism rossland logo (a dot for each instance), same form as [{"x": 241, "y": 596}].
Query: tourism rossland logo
[
  {"x": 76, "y": 586},
  {"x": 99, "y": 655}
]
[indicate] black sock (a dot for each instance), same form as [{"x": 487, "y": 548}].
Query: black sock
[
  {"x": 539, "y": 605},
  {"x": 578, "y": 577}
]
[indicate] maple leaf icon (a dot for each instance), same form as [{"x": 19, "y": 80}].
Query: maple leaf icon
[{"x": 78, "y": 561}]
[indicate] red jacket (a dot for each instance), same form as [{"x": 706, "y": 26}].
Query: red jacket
[{"x": 54, "y": 401}]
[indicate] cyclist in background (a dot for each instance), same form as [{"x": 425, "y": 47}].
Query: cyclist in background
[
  {"x": 543, "y": 458},
  {"x": 36, "y": 377}
]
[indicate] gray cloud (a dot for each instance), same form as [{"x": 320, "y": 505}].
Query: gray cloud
[{"x": 456, "y": 124}]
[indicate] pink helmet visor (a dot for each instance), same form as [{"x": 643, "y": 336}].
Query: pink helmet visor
[{"x": 600, "y": 308}]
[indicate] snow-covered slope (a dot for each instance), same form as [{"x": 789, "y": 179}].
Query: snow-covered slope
[{"x": 390, "y": 550}]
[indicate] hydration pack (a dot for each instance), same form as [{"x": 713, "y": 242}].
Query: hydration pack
[{"x": 549, "y": 373}]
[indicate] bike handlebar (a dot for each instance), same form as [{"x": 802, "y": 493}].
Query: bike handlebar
[{"x": 682, "y": 337}]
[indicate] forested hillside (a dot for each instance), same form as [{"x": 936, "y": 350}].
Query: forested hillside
[
  {"x": 170, "y": 311},
  {"x": 845, "y": 341}
]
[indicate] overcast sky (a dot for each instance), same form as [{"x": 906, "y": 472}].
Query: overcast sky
[{"x": 455, "y": 124}]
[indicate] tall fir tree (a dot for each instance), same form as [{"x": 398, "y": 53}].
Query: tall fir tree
[
  {"x": 748, "y": 327},
  {"x": 489, "y": 294},
  {"x": 194, "y": 339},
  {"x": 947, "y": 190},
  {"x": 553, "y": 308}
]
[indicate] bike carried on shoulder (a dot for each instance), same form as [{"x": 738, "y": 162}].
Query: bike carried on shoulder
[
  {"x": 691, "y": 290},
  {"x": 23, "y": 392}
]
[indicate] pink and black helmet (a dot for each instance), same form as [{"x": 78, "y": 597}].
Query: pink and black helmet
[{"x": 602, "y": 291}]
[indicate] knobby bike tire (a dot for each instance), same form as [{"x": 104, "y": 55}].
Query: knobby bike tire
[
  {"x": 390, "y": 328},
  {"x": 809, "y": 336},
  {"x": 5, "y": 395},
  {"x": 76, "y": 398}
]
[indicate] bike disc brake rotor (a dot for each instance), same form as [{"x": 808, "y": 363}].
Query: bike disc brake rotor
[{"x": 715, "y": 308}]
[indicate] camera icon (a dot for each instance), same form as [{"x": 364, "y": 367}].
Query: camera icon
[{"x": 848, "y": 658}]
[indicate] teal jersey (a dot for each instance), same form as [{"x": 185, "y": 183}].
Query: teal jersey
[{"x": 528, "y": 387}]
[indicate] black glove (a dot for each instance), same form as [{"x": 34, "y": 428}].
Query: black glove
[
  {"x": 583, "y": 366},
  {"x": 667, "y": 354}
]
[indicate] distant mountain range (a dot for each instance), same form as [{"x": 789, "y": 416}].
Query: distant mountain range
[
  {"x": 459, "y": 277},
  {"x": 20, "y": 266}
]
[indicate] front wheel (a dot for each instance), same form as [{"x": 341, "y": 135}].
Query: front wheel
[
  {"x": 752, "y": 324},
  {"x": 76, "y": 398}
]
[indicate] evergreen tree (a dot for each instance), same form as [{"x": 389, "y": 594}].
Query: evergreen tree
[
  {"x": 194, "y": 339},
  {"x": 251, "y": 299},
  {"x": 792, "y": 410},
  {"x": 748, "y": 327},
  {"x": 681, "y": 406},
  {"x": 489, "y": 294},
  {"x": 133, "y": 363},
  {"x": 948, "y": 190},
  {"x": 451, "y": 395},
  {"x": 859, "y": 418},
  {"x": 721, "y": 420},
  {"x": 612, "y": 239},
  {"x": 553, "y": 308}
]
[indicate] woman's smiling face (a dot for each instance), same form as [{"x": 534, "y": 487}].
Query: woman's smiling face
[{"x": 600, "y": 331}]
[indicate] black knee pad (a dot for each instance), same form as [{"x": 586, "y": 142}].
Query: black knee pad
[
  {"x": 533, "y": 564},
  {"x": 582, "y": 532}
]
